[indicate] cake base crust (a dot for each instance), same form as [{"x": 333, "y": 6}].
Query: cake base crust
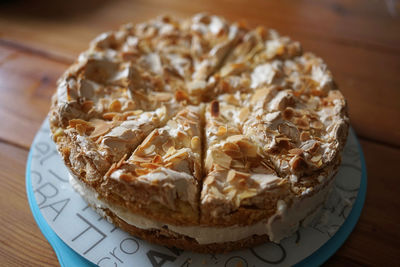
[{"x": 167, "y": 238}]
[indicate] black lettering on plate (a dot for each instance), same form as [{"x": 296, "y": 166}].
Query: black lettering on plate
[
  {"x": 46, "y": 191},
  {"x": 103, "y": 259},
  {"x": 90, "y": 226},
  {"x": 129, "y": 246},
  {"x": 271, "y": 261},
  {"x": 158, "y": 259},
  {"x": 236, "y": 261},
  {"x": 115, "y": 256},
  {"x": 58, "y": 176},
  {"x": 57, "y": 206}
]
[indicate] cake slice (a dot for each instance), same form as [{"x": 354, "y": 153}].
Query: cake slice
[
  {"x": 240, "y": 187},
  {"x": 161, "y": 179},
  {"x": 90, "y": 147},
  {"x": 300, "y": 128}
]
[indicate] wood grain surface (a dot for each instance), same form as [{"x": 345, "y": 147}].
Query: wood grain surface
[{"x": 359, "y": 40}]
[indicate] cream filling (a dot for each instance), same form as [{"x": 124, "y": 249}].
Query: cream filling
[{"x": 284, "y": 223}]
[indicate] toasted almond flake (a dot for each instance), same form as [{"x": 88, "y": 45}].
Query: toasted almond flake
[
  {"x": 232, "y": 69},
  {"x": 296, "y": 151},
  {"x": 230, "y": 146},
  {"x": 181, "y": 136},
  {"x": 135, "y": 112},
  {"x": 109, "y": 115},
  {"x": 81, "y": 129},
  {"x": 230, "y": 192},
  {"x": 313, "y": 147},
  {"x": 173, "y": 124},
  {"x": 167, "y": 145},
  {"x": 231, "y": 175},
  {"x": 74, "y": 122},
  {"x": 236, "y": 138},
  {"x": 162, "y": 97},
  {"x": 316, "y": 158},
  {"x": 171, "y": 150},
  {"x": 110, "y": 170},
  {"x": 101, "y": 127},
  {"x": 283, "y": 142},
  {"x": 141, "y": 172},
  {"x": 249, "y": 149},
  {"x": 259, "y": 95},
  {"x": 288, "y": 113},
  {"x": 221, "y": 130},
  {"x": 289, "y": 130},
  {"x": 128, "y": 105},
  {"x": 242, "y": 183},
  {"x": 304, "y": 136},
  {"x": 247, "y": 194},
  {"x": 135, "y": 158},
  {"x": 196, "y": 86},
  {"x": 115, "y": 106},
  {"x": 237, "y": 201},
  {"x": 214, "y": 191},
  {"x": 168, "y": 165},
  {"x": 121, "y": 161},
  {"x": 127, "y": 177},
  {"x": 267, "y": 166},
  {"x": 303, "y": 122},
  {"x": 195, "y": 143},
  {"x": 244, "y": 114},
  {"x": 177, "y": 156},
  {"x": 230, "y": 99},
  {"x": 234, "y": 154},
  {"x": 157, "y": 159},
  {"x": 151, "y": 166},
  {"x": 148, "y": 150},
  {"x": 59, "y": 132},
  {"x": 297, "y": 163},
  {"x": 221, "y": 159},
  {"x": 217, "y": 158},
  {"x": 242, "y": 175},
  {"x": 87, "y": 106},
  {"x": 238, "y": 165},
  {"x": 317, "y": 125},
  {"x": 181, "y": 96}
]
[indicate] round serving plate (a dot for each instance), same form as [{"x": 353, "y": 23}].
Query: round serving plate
[{"x": 80, "y": 237}]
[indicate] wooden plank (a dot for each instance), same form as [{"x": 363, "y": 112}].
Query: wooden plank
[
  {"x": 26, "y": 85},
  {"x": 375, "y": 240},
  {"x": 21, "y": 242}
]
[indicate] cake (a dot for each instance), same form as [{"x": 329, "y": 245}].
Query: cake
[{"x": 200, "y": 134}]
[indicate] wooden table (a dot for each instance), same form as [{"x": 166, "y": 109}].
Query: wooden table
[{"x": 360, "y": 41}]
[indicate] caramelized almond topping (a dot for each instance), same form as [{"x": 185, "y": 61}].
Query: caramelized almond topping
[
  {"x": 181, "y": 96},
  {"x": 215, "y": 108},
  {"x": 127, "y": 177},
  {"x": 304, "y": 136},
  {"x": 74, "y": 122},
  {"x": 288, "y": 113},
  {"x": 87, "y": 106},
  {"x": 109, "y": 115},
  {"x": 295, "y": 151},
  {"x": 115, "y": 106},
  {"x": 297, "y": 163}
]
